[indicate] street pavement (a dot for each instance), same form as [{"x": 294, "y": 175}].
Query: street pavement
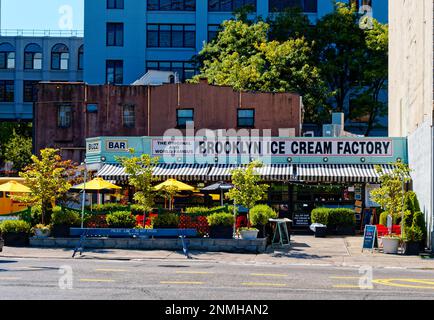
[{"x": 331, "y": 268}]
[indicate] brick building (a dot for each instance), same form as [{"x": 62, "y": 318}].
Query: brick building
[{"x": 68, "y": 113}]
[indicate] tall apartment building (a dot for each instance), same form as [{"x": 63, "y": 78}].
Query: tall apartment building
[
  {"x": 125, "y": 38},
  {"x": 411, "y": 88},
  {"x": 27, "y": 58}
]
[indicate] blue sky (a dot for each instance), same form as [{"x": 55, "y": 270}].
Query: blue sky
[{"x": 42, "y": 14}]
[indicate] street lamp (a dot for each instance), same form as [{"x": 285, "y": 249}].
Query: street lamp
[{"x": 84, "y": 194}]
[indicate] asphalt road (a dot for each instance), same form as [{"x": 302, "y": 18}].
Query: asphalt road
[{"x": 69, "y": 279}]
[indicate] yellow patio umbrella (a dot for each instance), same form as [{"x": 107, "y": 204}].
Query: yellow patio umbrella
[
  {"x": 14, "y": 187},
  {"x": 97, "y": 184},
  {"x": 174, "y": 184}
]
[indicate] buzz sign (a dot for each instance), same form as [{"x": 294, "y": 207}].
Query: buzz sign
[{"x": 370, "y": 238}]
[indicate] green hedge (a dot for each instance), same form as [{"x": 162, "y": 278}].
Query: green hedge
[
  {"x": 121, "y": 219},
  {"x": 15, "y": 226},
  {"x": 108, "y": 208},
  {"x": 65, "y": 217},
  {"x": 260, "y": 214},
  {"x": 221, "y": 219},
  {"x": 204, "y": 211},
  {"x": 334, "y": 217},
  {"x": 166, "y": 220}
]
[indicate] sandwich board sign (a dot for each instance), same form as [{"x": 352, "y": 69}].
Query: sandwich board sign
[{"x": 370, "y": 238}]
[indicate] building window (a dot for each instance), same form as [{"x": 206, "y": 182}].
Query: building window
[
  {"x": 308, "y": 6},
  {"x": 184, "y": 69},
  {"x": 33, "y": 57},
  {"x": 229, "y": 5},
  {"x": 80, "y": 58},
  {"x": 115, "y": 72},
  {"x": 64, "y": 116},
  {"x": 30, "y": 91},
  {"x": 246, "y": 118},
  {"x": 60, "y": 57},
  {"x": 7, "y": 56},
  {"x": 171, "y": 36},
  {"x": 115, "y": 34},
  {"x": 183, "y": 117},
  {"x": 129, "y": 116},
  {"x": 213, "y": 30},
  {"x": 115, "y": 4},
  {"x": 7, "y": 91},
  {"x": 171, "y": 5}
]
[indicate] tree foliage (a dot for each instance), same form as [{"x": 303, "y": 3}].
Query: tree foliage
[
  {"x": 391, "y": 195},
  {"x": 49, "y": 179},
  {"x": 18, "y": 151},
  {"x": 248, "y": 189},
  {"x": 140, "y": 171},
  {"x": 327, "y": 64}
]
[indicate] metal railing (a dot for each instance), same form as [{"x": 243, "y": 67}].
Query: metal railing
[{"x": 41, "y": 33}]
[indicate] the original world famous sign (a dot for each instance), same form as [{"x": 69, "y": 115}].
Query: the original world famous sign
[{"x": 274, "y": 147}]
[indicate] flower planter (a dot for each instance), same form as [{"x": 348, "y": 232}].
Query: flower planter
[
  {"x": 221, "y": 232},
  {"x": 249, "y": 234},
  {"x": 411, "y": 248},
  {"x": 390, "y": 245},
  {"x": 16, "y": 239},
  {"x": 41, "y": 233},
  {"x": 60, "y": 231}
]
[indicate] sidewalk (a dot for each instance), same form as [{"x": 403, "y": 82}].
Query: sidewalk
[{"x": 305, "y": 250}]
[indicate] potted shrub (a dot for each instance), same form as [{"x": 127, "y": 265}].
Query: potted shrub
[
  {"x": 259, "y": 217},
  {"x": 166, "y": 221},
  {"x": 121, "y": 220},
  {"x": 15, "y": 233},
  {"x": 344, "y": 221},
  {"x": 249, "y": 233},
  {"x": 221, "y": 225},
  {"x": 41, "y": 231},
  {"x": 413, "y": 235},
  {"x": 62, "y": 220}
]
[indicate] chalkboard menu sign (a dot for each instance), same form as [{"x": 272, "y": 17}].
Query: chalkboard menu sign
[{"x": 301, "y": 219}]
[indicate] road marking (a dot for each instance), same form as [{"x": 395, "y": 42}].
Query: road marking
[
  {"x": 193, "y": 272},
  {"x": 260, "y": 284},
  {"x": 181, "y": 282},
  {"x": 391, "y": 283},
  {"x": 111, "y": 270},
  {"x": 96, "y": 280},
  {"x": 10, "y": 278},
  {"x": 268, "y": 275}
]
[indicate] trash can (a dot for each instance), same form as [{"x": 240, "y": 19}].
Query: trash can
[{"x": 320, "y": 230}]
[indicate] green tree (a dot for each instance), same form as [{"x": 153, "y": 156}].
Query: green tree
[
  {"x": 7, "y": 132},
  {"x": 374, "y": 77},
  {"x": 292, "y": 23},
  {"x": 340, "y": 49},
  {"x": 18, "y": 151},
  {"x": 391, "y": 195},
  {"x": 140, "y": 176},
  {"x": 48, "y": 178},
  {"x": 243, "y": 58},
  {"x": 248, "y": 189}
]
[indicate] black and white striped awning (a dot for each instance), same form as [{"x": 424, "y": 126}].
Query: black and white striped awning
[
  {"x": 272, "y": 172},
  {"x": 338, "y": 173},
  {"x": 162, "y": 172},
  {"x": 185, "y": 172}
]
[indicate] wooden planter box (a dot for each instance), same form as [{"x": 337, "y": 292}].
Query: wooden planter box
[
  {"x": 60, "y": 231},
  {"x": 221, "y": 232},
  {"x": 16, "y": 239}
]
